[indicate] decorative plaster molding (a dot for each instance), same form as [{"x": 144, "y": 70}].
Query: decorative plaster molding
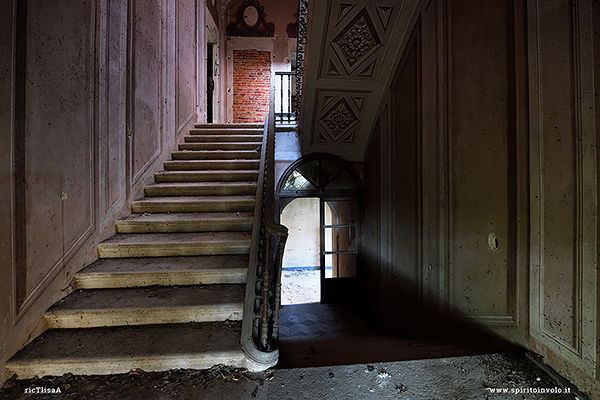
[
  {"x": 356, "y": 42},
  {"x": 261, "y": 28}
]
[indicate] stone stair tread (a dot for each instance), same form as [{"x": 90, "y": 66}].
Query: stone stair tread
[
  {"x": 215, "y": 154},
  {"x": 200, "y": 188},
  {"x": 177, "y": 165},
  {"x": 256, "y": 125},
  {"x": 135, "y": 272},
  {"x": 126, "y": 245},
  {"x": 185, "y": 222},
  {"x": 182, "y": 217},
  {"x": 204, "y": 184},
  {"x": 165, "y": 265},
  {"x": 226, "y": 132},
  {"x": 161, "y": 297},
  {"x": 211, "y": 172},
  {"x": 196, "y": 199},
  {"x": 201, "y": 176},
  {"x": 112, "y": 350},
  {"x": 163, "y": 204},
  {"x": 188, "y": 238},
  {"x": 209, "y": 138},
  {"x": 220, "y": 146}
]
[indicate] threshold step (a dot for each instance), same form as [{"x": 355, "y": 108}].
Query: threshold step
[
  {"x": 143, "y": 306},
  {"x": 174, "y": 244},
  {"x": 165, "y": 271},
  {"x": 188, "y": 204},
  {"x": 200, "y": 189},
  {"x": 216, "y": 155},
  {"x": 205, "y": 176},
  {"x": 118, "y": 350},
  {"x": 185, "y": 222},
  {"x": 186, "y": 165},
  {"x": 204, "y": 138}
]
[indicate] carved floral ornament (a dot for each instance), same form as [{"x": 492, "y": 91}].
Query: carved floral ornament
[
  {"x": 338, "y": 119},
  {"x": 357, "y": 41},
  {"x": 251, "y": 21}
]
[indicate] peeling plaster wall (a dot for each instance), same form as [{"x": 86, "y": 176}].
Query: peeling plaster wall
[
  {"x": 302, "y": 217},
  {"x": 97, "y": 94},
  {"x": 281, "y": 13}
]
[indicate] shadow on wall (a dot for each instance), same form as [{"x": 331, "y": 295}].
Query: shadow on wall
[{"x": 399, "y": 313}]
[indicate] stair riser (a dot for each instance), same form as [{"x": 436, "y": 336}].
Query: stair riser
[
  {"x": 215, "y": 155},
  {"x": 107, "y": 250},
  {"x": 221, "y": 190},
  {"x": 129, "y": 280},
  {"x": 144, "y": 207},
  {"x": 207, "y": 165},
  {"x": 179, "y": 315},
  {"x": 184, "y": 226},
  {"x": 218, "y": 146},
  {"x": 205, "y": 177},
  {"x": 227, "y": 132},
  {"x": 123, "y": 365},
  {"x": 222, "y": 139}
]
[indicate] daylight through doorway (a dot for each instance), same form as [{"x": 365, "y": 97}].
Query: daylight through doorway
[{"x": 300, "y": 278}]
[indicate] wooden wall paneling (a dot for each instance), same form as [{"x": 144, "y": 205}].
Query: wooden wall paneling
[
  {"x": 386, "y": 256},
  {"x": 481, "y": 260},
  {"x": 430, "y": 158},
  {"x": 564, "y": 203},
  {"x": 596, "y": 50},
  {"x": 146, "y": 106},
  {"x": 185, "y": 62},
  {"x": 112, "y": 95},
  {"x": 405, "y": 171},
  {"x": 8, "y": 176},
  {"x": 371, "y": 237},
  {"x": 59, "y": 153}
]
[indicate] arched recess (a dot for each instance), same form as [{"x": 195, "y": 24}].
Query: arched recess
[{"x": 337, "y": 186}]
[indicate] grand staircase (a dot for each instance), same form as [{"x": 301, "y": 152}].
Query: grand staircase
[{"x": 168, "y": 289}]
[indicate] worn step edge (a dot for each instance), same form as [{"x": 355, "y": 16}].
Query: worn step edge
[
  {"x": 190, "y": 204},
  {"x": 120, "y": 349},
  {"x": 175, "y": 278},
  {"x": 200, "y": 189},
  {"x": 176, "y": 271},
  {"x": 219, "y": 146},
  {"x": 215, "y": 155},
  {"x": 186, "y": 165},
  {"x": 68, "y": 319},
  {"x": 205, "y": 176},
  {"x": 126, "y": 250},
  {"x": 124, "y": 364},
  {"x": 149, "y": 225},
  {"x": 230, "y": 125},
  {"x": 205, "y": 138}
]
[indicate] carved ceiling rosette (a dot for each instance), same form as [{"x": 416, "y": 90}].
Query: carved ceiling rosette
[
  {"x": 357, "y": 42},
  {"x": 354, "y": 47},
  {"x": 339, "y": 117}
]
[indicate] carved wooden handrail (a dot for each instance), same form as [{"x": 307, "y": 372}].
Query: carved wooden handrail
[
  {"x": 301, "y": 51},
  {"x": 260, "y": 328}
]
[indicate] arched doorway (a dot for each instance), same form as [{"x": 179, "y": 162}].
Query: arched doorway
[{"x": 334, "y": 184}]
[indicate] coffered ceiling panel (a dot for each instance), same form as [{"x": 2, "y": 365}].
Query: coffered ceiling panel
[{"x": 353, "y": 47}]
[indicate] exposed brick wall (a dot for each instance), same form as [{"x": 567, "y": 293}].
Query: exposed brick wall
[{"x": 251, "y": 85}]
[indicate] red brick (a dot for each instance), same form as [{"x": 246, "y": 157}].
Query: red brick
[{"x": 251, "y": 85}]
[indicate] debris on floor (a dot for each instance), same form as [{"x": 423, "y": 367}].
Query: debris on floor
[{"x": 488, "y": 376}]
